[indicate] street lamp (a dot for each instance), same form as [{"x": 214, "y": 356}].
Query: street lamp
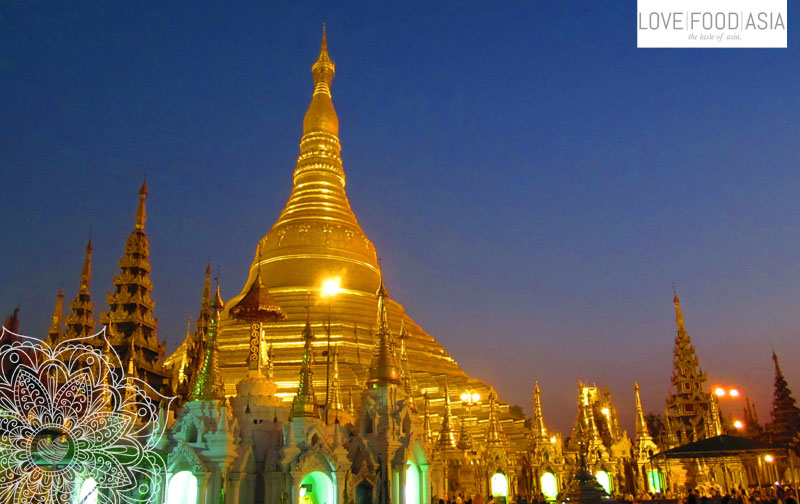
[
  {"x": 330, "y": 288},
  {"x": 738, "y": 424},
  {"x": 468, "y": 398}
]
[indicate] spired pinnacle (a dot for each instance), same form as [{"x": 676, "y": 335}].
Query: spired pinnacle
[
  {"x": 539, "y": 429},
  {"x": 679, "y": 315},
  {"x": 86, "y": 272},
  {"x": 141, "y": 216},
  {"x": 383, "y": 370},
  {"x": 304, "y": 404},
  {"x": 641, "y": 424},
  {"x": 207, "y": 384},
  {"x": 321, "y": 116}
]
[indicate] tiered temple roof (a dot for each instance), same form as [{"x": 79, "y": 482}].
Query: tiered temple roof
[{"x": 130, "y": 307}]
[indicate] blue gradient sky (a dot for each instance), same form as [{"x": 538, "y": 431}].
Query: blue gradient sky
[{"x": 533, "y": 182}]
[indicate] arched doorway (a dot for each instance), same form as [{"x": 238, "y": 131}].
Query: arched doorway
[
  {"x": 604, "y": 480},
  {"x": 86, "y": 491},
  {"x": 499, "y": 484},
  {"x": 412, "y": 483},
  {"x": 317, "y": 488},
  {"x": 364, "y": 493},
  {"x": 182, "y": 488},
  {"x": 549, "y": 486}
]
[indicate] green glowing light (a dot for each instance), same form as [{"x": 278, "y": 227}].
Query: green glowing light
[
  {"x": 412, "y": 483},
  {"x": 318, "y": 489},
  {"x": 654, "y": 478}
]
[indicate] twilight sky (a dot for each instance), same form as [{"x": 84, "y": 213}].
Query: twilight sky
[{"x": 533, "y": 183}]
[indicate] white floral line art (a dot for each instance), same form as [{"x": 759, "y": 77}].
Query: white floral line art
[{"x": 74, "y": 427}]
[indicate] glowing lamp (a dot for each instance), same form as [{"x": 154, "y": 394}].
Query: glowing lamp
[
  {"x": 769, "y": 458},
  {"x": 553, "y": 440},
  {"x": 733, "y": 392},
  {"x": 738, "y": 424},
  {"x": 719, "y": 392},
  {"x": 476, "y": 397},
  {"x": 302, "y": 492},
  {"x": 465, "y": 397},
  {"x": 331, "y": 287},
  {"x": 605, "y": 411}
]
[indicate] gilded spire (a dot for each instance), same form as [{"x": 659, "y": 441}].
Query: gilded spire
[
  {"x": 207, "y": 383},
  {"x": 86, "y": 272},
  {"x": 321, "y": 116},
  {"x": 405, "y": 371},
  {"x": 305, "y": 402},
  {"x": 426, "y": 420},
  {"x": 539, "y": 430},
  {"x": 494, "y": 430},
  {"x": 679, "y": 316},
  {"x": 446, "y": 436},
  {"x": 336, "y": 394},
  {"x": 383, "y": 370},
  {"x": 57, "y": 323},
  {"x": 80, "y": 322},
  {"x": 141, "y": 216},
  {"x": 641, "y": 424}
]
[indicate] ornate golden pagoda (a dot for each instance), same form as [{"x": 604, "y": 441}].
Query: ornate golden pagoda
[
  {"x": 130, "y": 307},
  {"x": 80, "y": 322},
  {"x": 207, "y": 382},
  {"x": 57, "y": 323},
  {"x": 693, "y": 412},
  {"x": 317, "y": 237}
]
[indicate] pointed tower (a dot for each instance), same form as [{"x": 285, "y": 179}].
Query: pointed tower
[
  {"x": 207, "y": 383},
  {"x": 785, "y": 426},
  {"x": 641, "y": 430},
  {"x": 405, "y": 371},
  {"x": 57, "y": 322},
  {"x": 447, "y": 437},
  {"x": 537, "y": 422},
  {"x": 426, "y": 420},
  {"x": 493, "y": 432},
  {"x": 689, "y": 405},
  {"x": 383, "y": 369},
  {"x": 130, "y": 307},
  {"x": 305, "y": 402},
  {"x": 80, "y": 322}
]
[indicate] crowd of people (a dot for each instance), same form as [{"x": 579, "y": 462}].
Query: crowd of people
[{"x": 767, "y": 494}]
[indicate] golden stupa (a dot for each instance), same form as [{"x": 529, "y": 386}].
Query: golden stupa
[{"x": 317, "y": 237}]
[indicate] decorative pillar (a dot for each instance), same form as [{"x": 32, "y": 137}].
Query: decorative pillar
[{"x": 425, "y": 482}]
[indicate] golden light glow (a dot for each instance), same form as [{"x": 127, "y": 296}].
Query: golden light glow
[
  {"x": 769, "y": 458},
  {"x": 470, "y": 396},
  {"x": 733, "y": 392},
  {"x": 553, "y": 440},
  {"x": 738, "y": 424},
  {"x": 719, "y": 392},
  {"x": 605, "y": 411},
  {"x": 331, "y": 287}
]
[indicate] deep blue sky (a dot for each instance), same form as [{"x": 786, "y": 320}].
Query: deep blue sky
[{"x": 533, "y": 182}]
